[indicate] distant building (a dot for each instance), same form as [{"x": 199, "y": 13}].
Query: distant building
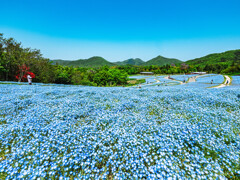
[
  {"x": 184, "y": 66},
  {"x": 147, "y": 73},
  {"x": 199, "y": 73}
]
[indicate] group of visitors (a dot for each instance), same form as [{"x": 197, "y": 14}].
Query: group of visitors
[{"x": 226, "y": 82}]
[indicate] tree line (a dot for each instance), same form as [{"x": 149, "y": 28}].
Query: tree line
[{"x": 17, "y": 61}]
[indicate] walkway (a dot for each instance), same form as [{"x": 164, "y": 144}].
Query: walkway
[
  {"x": 166, "y": 77},
  {"x": 225, "y": 83}
]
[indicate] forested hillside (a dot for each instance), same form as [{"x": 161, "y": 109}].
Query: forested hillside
[
  {"x": 227, "y": 57},
  {"x": 226, "y": 62},
  {"x": 131, "y": 61},
  {"x": 160, "y": 61},
  {"x": 95, "y": 61}
]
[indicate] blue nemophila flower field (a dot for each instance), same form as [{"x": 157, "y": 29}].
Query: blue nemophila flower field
[
  {"x": 236, "y": 80},
  {"x": 216, "y": 79},
  {"x": 156, "y": 132},
  {"x": 182, "y": 77}
]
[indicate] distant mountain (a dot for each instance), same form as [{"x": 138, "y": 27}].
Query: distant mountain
[
  {"x": 95, "y": 61},
  {"x": 217, "y": 58},
  {"x": 60, "y": 62},
  {"x": 160, "y": 61},
  {"x": 131, "y": 61}
]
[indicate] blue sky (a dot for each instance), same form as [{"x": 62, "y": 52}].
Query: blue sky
[{"x": 118, "y": 30}]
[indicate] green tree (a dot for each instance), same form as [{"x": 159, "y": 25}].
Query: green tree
[
  {"x": 118, "y": 77},
  {"x": 63, "y": 75},
  {"x": 102, "y": 78}
]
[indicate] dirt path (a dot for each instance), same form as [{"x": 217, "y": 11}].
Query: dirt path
[
  {"x": 166, "y": 77},
  {"x": 225, "y": 83},
  {"x": 192, "y": 79}
]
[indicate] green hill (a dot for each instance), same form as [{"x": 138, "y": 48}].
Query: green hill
[
  {"x": 217, "y": 58},
  {"x": 95, "y": 61},
  {"x": 60, "y": 62},
  {"x": 160, "y": 61},
  {"x": 131, "y": 61}
]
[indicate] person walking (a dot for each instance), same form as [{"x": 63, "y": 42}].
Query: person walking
[{"x": 29, "y": 79}]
